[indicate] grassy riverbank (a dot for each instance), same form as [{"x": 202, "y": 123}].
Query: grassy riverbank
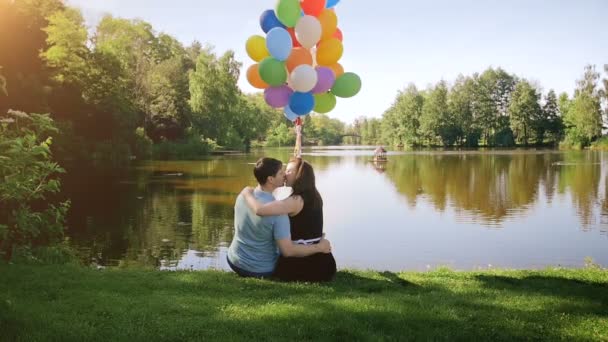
[{"x": 70, "y": 303}]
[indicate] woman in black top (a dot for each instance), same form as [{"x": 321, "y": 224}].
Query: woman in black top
[{"x": 305, "y": 209}]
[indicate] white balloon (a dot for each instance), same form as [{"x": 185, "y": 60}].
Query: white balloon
[
  {"x": 308, "y": 31},
  {"x": 303, "y": 78}
]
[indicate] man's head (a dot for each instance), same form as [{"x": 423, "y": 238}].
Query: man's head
[{"x": 269, "y": 172}]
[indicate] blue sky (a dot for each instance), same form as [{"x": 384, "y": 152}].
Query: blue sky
[{"x": 391, "y": 43}]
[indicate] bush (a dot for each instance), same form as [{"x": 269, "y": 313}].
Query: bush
[
  {"x": 27, "y": 175},
  {"x": 194, "y": 146}
]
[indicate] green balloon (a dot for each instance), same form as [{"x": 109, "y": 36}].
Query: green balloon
[
  {"x": 347, "y": 85},
  {"x": 288, "y": 12},
  {"x": 273, "y": 72},
  {"x": 324, "y": 103}
]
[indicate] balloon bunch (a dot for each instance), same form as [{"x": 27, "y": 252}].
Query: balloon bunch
[{"x": 297, "y": 62}]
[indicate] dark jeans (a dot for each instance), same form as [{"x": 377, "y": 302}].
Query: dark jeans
[{"x": 244, "y": 273}]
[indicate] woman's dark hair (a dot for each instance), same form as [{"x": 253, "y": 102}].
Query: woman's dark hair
[
  {"x": 266, "y": 167},
  {"x": 305, "y": 185}
]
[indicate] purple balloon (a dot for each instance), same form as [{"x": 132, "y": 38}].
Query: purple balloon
[
  {"x": 277, "y": 97},
  {"x": 325, "y": 80}
]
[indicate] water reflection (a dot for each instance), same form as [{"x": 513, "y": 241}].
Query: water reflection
[{"x": 178, "y": 215}]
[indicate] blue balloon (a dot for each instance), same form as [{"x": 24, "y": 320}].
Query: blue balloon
[
  {"x": 279, "y": 43},
  {"x": 269, "y": 20},
  {"x": 289, "y": 114},
  {"x": 331, "y": 3},
  {"x": 302, "y": 103}
]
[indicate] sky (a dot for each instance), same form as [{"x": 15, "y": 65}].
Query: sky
[{"x": 392, "y": 43}]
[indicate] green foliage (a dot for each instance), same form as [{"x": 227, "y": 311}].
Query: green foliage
[
  {"x": 280, "y": 136},
  {"x": 401, "y": 122},
  {"x": 28, "y": 177},
  {"x": 525, "y": 113},
  {"x": 193, "y": 146},
  {"x": 583, "y": 118}
]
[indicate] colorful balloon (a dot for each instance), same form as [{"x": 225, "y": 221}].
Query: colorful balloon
[
  {"x": 288, "y": 12},
  {"x": 269, "y": 20},
  {"x": 329, "y": 23},
  {"x": 277, "y": 97},
  {"x": 254, "y": 78},
  {"x": 325, "y": 80},
  {"x": 337, "y": 69},
  {"x": 313, "y": 7},
  {"x": 308, "y": 31},
  {"x": 292, "y": 33},
  {"x": 347, "y": 85},
  {"x": 256, "y": 48},
  {"x": 279, "y": 44},
  {"x": 289, "y": 114},
  {"x": 331, "y": 3},
  {"x": 301, "y": 103},
  {"x": 329, "y": 52},
  {"x": 273, "y": 72},
  {"x": 338, "y": 35},
  {"x": 299, "y": 56},
  {"x": 303, "y": 78},
  {"x": 325, "y": 103}
]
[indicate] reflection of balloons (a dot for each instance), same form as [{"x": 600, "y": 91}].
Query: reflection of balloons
[
  {"x": 331, "y": 3},
  {"x": 301, "y": 103},
  {"x": 303, "y": 78},
  {"x": 313, "y": 7},
  {"x": 253, "y": 76},
  {"x": 279, "y": 44},
  {"x": 329, "y": 52},
  {"x": 298, "y": 57},
  {"x": 338, "y": 35},
  {"x": 329, "y": 23},
  {"x": 289, "y": 114},
  {"x": 273, "y": 72},
  {"x": 324, "y": 103},
  {"x": 325, "y": 80},
  {"x": 308, "y": 31},
  {"x": 277, "y": 97},
  {"x": 292, "y": 33},
  {"x": 337, "y": 69},
  {"x": 288, "y": 12},
  {"x": 269, "y": 20},
  {"x": 256, "y": 48},
  {"x": 347, "y": 85}
]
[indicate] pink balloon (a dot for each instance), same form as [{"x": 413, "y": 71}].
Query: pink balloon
[
  {"x": 277, "y": 97},
  {"x": 325, "y": 80}
]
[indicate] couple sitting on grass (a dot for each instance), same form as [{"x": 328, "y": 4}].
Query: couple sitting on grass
[{"x": 294, "y": 225}]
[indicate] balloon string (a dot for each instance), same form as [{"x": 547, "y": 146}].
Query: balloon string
[{"x": 297, "y": 152}]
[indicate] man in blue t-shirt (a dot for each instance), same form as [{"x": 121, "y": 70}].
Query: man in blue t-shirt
[{"x": 253, "y": 251}]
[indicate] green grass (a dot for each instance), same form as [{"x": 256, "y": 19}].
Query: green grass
[{"x": 71, "y": 303}]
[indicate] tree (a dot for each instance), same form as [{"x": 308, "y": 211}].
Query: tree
[
  {"x": 584, "y": 117},
  {"x": 401, "y": 122},
  {"x": 460, "y": 103},
  {"x": 551, "y": 112},
  {"x": 28, "y": 176},
  {"x": 437, "y": 120},
  {"x": 524, "y": 113}
]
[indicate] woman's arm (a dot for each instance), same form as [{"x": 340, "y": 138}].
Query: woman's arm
[{"x": 284, "y": 207}]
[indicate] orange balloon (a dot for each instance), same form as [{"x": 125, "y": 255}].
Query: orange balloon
[
  {"x": 254, "y": 78},
  {"x": 338, "y": 35},
  {"x": 329, "y": 23},
  {"x": 337, "y": 69},
  {"x": 294, "y": 39},
  {"x": 298, "y": 57}
]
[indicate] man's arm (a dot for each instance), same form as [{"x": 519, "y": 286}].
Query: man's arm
[{"x": 290, "y": 249}]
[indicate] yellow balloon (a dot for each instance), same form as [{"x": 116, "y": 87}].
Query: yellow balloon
[
  {"x": 329, "y": 23},
  {"x": 256, "y": 48},
  {"x": 329, "y": 52}
]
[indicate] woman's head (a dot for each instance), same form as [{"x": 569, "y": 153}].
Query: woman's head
[{"x": 301, "y": 177}]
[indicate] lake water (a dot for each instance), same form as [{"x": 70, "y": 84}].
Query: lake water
[{"x": 422, "y": 209}]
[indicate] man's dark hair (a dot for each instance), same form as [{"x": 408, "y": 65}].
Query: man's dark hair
[{"x": 266, "y": 167}]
